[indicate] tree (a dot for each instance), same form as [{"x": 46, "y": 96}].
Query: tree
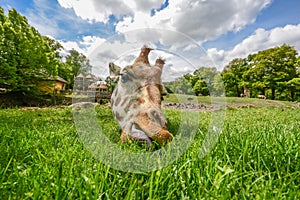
[
  {"x": 272, "y": 69},
  {"x": 55, "y": 46},
  {"x": 203, "y": 81},
  {"x": 8, "y": 64},
  {"x": 297, "y": 65},
  {"x": 293, "y": 85},
  {"x": 26, "y": 58},
  {"x": 75, "y": 64},
  {"x": 180, "y": 85},
  {"x": 200, "y": 88},
  {"x": 232, "y": 76}
]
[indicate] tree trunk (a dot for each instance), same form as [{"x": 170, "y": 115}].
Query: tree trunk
[
  {"x": 273, "y": 93},
  {"x": 292, "y": 95},
  {"x": 237, "y": 90}
]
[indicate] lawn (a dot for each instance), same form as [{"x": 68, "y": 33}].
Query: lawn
[{"x": 256, "y": 157}]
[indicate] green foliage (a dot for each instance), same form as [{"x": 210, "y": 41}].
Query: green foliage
[
  {"x": 232, "y": 76},
  {"x": 204, "y": 81},
  {"x": 75, "y": 64},
  {"x": 25, "y": 56},
  {"x": 272, "y": 68},
  {"x": 269, "y": 72},
  {"x": 180, "y": 85},
  {"x": 55, "y": 46},
  {"x": 256, "y": 157}
]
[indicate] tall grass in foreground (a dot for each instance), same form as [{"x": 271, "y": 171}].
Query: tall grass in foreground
[{"x": 257, "y": 157}]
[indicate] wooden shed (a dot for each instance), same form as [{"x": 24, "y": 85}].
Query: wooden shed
[{"x": 53, "y": 85}]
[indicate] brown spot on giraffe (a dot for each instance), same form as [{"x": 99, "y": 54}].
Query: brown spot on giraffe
[
  {"x": 140, "y": 100},
  {"x": 118, "y": 116},
  {"x": 118, "y": 100},
  {"x": 112, "y": 101},
  {"x": 126, "y": 109},
  {"x": 116, "y": 91},
  {"x": 139, "y": 90}
]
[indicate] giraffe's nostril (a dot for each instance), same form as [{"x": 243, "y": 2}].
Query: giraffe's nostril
[{"x": 154, "y": 114}]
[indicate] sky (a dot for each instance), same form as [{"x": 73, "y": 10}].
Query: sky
[{"x": 188, "y": 34}]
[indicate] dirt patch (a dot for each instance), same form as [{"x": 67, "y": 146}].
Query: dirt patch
[
  {"x": 213, "y": 107},
  {"x": 191, "y": 106}
]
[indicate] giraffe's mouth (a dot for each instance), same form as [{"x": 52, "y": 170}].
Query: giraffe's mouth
[
  {"x": 139, "y": 135},
  {"x": 150, "y": 126}
]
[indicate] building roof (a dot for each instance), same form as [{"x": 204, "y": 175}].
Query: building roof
[
  {"x": 57, "y": 78},
  {"x": 80, "y": 76},
  {"x": 61, "y": 80},
  {"x": 89, "y": 76},
  {"x": 103, "y": 86},
  {"x": 92, "y": 86}
]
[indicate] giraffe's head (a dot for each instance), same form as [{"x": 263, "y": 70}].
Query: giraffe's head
[{"x": 136, "y": 102}]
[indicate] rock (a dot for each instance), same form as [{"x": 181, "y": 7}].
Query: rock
[{"x": 82, "y": 105}]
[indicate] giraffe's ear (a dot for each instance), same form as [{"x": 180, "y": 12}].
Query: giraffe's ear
[{"x": 114, "y": 70}]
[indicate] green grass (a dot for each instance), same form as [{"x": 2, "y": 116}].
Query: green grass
[{"x": 257, "y": 157}]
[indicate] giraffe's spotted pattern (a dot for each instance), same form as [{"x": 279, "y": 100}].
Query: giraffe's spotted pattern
[{"x": 136, "y": 100}]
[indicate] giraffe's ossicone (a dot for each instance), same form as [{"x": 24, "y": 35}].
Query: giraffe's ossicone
[{"x": 136, "y": 101}]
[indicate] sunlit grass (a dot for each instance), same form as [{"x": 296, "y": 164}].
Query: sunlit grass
[{"x": 256, "y": 157}]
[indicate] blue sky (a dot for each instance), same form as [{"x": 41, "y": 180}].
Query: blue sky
[{"x": 226, "y": 29}]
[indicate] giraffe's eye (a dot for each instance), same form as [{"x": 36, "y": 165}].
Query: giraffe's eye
[{"x": 124, "y": 77}]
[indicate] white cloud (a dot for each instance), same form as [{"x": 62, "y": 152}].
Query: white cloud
[
  {"x": 90, "y": 43},
  {"x": 85, "y": 46},
  {"x": 201, "y": 20},
  {"x": 85, "y": 9},
  {"x": 260, "y": 40},
  {"x": 146, "y": 4},
  {"x": 216, "y": 55},
  {"x": 95, "y": 10},
  {"x": 71, "y": 45},
  {"x": 290, "y": 34}
]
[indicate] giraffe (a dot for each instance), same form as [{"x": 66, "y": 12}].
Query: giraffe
[{"x": 136, "y": 100}]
